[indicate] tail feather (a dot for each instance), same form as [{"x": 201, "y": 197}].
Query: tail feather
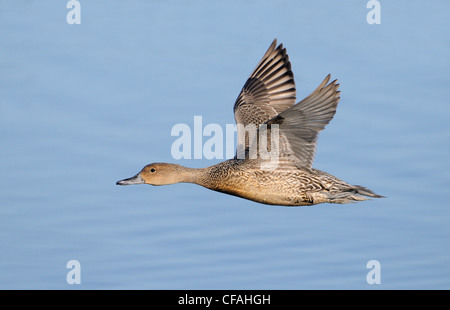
[
  {"x": 366, "y": 192},
  {"x": 353, "y": 194}
]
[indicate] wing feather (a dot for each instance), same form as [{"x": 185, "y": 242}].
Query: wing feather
[
  {"x": 269, "y": 90},
  {"x": 299, "y": 126}
]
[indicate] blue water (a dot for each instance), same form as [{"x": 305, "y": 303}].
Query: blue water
[{"x": 82, "y": 106}]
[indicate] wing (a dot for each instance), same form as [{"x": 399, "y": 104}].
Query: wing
[
  {"x": 299, "y": 126},
  {"x": 269, "y": 90}
]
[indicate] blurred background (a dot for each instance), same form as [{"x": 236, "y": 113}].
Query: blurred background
[{"x": 84, "y": 105}]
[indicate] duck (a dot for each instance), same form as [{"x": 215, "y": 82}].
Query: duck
[{"x": 286, "y": 130}]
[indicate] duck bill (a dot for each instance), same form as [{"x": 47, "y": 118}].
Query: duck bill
[{"x": 137, "y": 179}]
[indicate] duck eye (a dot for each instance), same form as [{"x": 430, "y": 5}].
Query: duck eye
[{"x": 152, "y": 170}]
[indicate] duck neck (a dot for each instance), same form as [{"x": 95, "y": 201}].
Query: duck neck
[{"x": 192, "y": 175}]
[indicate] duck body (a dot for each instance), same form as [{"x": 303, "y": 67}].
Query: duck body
[{"x": 294, "y": 187}]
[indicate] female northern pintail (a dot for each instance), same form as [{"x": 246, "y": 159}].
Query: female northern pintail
[{"x": 267, "y": 101}]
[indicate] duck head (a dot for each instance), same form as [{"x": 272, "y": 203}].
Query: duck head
[{"x": 157, "y": 174}]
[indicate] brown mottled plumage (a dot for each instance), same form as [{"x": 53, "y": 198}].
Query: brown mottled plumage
[{"x": 267, "y": 100}]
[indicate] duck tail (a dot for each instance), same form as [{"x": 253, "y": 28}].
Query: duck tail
[
  {"x": 353, "y": 194},
  {"x": 360, "y": 190}
]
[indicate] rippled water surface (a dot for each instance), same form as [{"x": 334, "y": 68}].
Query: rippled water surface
[{"x": 82, "y": 106}]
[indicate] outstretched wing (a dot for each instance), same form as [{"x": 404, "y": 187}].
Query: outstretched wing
[
  {"x": 269, "y": 90},
  {"x": 299, "y": 126}
]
